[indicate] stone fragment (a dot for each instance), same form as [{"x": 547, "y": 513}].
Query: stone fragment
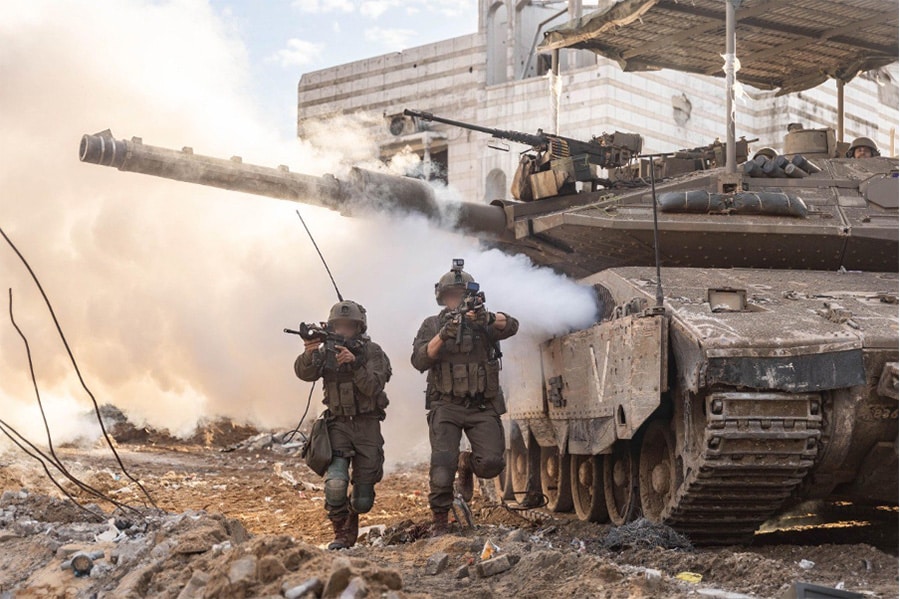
[
  {"x": 462, "y": 572},
  {"x": 357, "y": 589},
  {"x": 341, "y": 573},
  {"x": 270, "y": 569},
  {"x": 313, "y": 585},
  {"x": 494, "y": 566},
  {"x": 437, "y": 563},
  {"x": 194, "y": 588},
  {"x": 243, "y": 569}
]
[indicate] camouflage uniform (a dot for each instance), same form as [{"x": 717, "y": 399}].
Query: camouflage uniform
[
  {"x": 356, "y": 402},
  {"x": 463, "y": 394}
]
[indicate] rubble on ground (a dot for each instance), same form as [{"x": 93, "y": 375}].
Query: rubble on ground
[{"x": 251, "y": 523}]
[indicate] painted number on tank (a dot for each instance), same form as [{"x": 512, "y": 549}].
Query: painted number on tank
[{"x": 883, "y": 413}]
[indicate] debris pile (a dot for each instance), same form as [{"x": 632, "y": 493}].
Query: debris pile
[
  {"x": 251, "y": 523},
  {"x": 48, "y": 550}
]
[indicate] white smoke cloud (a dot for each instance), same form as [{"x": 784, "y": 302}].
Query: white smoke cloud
[
  {"x": 174, "y": 296},
  {"x": 297, "y": 53}
]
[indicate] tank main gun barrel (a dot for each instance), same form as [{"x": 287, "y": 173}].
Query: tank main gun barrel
[{"x": 363, "y": 192}]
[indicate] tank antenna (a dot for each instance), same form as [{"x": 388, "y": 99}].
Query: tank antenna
[
  {"x": 321, "y": 257},
  {"x": 659, "y": 289}
]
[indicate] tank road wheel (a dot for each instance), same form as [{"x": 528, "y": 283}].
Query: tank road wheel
[
  {"x": 502, "y": 486},
  {"x": 658, "y": 470},
  {"x": 620, "y": 483},
  {"x": 517, "y": 465},
  {"x": 586, "y": 473},
  {"x": 555, "y": 479}
]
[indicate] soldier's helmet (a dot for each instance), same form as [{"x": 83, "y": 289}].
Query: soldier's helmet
[
  {"x": 768, "y": 152},
  {"x": 349, "y": 310},
  {"x": 457, "y": 278},
  {"x": 863, "y": 142}
]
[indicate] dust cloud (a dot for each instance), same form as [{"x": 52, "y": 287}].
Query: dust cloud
[{"x": 174, "y": 296}]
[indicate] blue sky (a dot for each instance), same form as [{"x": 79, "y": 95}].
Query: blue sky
[{"x": 286, "y": 38}]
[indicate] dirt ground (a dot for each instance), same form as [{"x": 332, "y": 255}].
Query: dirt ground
[{"x": 251, "y": 522}]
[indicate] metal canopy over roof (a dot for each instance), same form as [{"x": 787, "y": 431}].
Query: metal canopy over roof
[{"x": 789, "y": 46}]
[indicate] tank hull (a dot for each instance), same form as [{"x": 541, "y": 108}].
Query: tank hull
[{"x": 751, "y": 391}]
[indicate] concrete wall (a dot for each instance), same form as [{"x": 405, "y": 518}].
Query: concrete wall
[{"x": 449, "y": 78}]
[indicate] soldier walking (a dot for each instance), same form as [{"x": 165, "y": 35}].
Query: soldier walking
[
  {"x": 459, "y": 347},
  {"x": 356, "y": 402}
]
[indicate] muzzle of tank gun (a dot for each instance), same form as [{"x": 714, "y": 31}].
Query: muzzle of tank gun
[
  {"x": 102, "y": 148},
  {"x": 363, "y": 192}
]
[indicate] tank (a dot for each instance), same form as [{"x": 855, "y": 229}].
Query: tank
[{"x": 754, "y": 369}]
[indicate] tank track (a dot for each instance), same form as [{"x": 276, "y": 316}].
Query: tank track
[{"x": 757, "y": 448}]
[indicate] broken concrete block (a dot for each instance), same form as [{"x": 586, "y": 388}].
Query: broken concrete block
[
  {"x": 357, "y": 589},
  {"x": 270, "y": 569},
  {"x": 436, "y": 563},
  {"x": 194, "y": 588},
  {"x": 388, "y": 578},
  {"x": 6, "y": 535},
  {"x": 494, "y": 566},
  {"x": 243, "y": 569},
  {"x": 806, "y": 564},
  {"x": 462, "y": 572},
  {"x": 519, "y": 535},
  {"x": 340, "y": 577},
  {"x": 313, "y": 585}
]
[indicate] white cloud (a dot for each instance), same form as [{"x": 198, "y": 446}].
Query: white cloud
[
  {"x": 375, "y": 8},
  {"x": 389, "y": 39},
  {"x": 322, "y": 6},
  {"x": 297, "y": 53}
]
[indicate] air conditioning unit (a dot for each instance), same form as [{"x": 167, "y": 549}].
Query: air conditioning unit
[{"x": 399, "y": 124}]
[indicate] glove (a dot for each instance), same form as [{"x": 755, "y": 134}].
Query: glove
[
  {"x": 484, "y": 319},
  {"x": 449, "y": 330}
]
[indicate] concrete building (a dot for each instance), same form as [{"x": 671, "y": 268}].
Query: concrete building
[{"x": 497, "y": 78}]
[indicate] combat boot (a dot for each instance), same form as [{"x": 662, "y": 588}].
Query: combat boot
[
  {"x": 352, "y": 529},
  {"x": 341, "y": 540},
  {"x": 439, "y": 525},
  {"x": 465, "y": 477}
]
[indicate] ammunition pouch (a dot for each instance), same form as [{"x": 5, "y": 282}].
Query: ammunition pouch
[
  {"x": 492, "y": 379},
  {"x": 342, "y": 398},
  {"x": 340, "y": 395}
]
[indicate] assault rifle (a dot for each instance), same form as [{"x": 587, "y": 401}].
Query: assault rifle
[{"x": 331, "y": 340}]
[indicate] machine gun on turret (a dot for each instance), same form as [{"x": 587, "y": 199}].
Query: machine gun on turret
[{"x": 557, "y": 162}]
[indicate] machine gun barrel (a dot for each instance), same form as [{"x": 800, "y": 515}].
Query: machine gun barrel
[
  {"x": 536, "y": 141},
  {"x": 363, "y": 192}
]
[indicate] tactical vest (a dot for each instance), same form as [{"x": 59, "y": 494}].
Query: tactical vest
[
  {"x": 467, "y": 369},
  {"x": 343, "y": 399}
]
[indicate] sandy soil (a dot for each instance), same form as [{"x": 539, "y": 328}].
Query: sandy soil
[{"x": 249, "y": 506}]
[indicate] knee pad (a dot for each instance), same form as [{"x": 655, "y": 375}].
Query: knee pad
[
  {"x": 337, "y": 480},
  {"x": 488, "y": 467},
  {"x": 443, "y": 468},
  {"x": 362, "y": 498}
]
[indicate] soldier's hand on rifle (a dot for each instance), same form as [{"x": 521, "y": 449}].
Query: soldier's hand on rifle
[
  {"x": 311, "y": 345},
  {"x": 483, "y": 318},
  {"x": 344, "y": 355},
  {"x": 449, "y": 330}
]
